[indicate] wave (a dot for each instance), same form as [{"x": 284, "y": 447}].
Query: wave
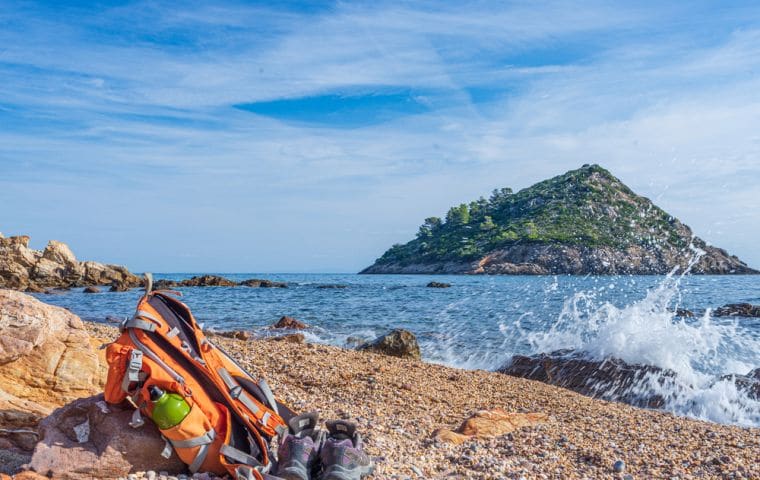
[{"x": 695, "y": 358}]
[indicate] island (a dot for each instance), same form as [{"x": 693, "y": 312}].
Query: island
[{"x": 583, "y": 222}]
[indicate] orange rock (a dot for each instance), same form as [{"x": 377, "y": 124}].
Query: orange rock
[
  {"x": 46, "y": 360},
  {"x": 27, "y": 475},
  {"x": 490, "y": 423},
  {"x": 450, "y": 437}
]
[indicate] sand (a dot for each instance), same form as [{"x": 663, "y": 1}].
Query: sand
[{"x": 399, "y": 403}]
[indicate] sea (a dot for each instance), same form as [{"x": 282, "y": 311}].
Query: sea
[{"x": 480, "y": 322}]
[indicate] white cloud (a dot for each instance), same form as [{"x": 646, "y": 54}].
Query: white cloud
[{"x": 135, "y": 125}]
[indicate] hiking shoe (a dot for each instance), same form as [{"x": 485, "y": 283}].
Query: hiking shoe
[
  {"x": 341, "y": 455},
  {"x": 299, "y": 449}
]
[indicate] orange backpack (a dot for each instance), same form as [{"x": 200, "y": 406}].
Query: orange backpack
[{"x": 232, "y": 417}]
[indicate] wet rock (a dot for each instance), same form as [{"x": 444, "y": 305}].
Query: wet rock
[
  {"x": 290, "y": 338},
  {"x": 749, "y": 383},
  {"x": 438, "y": 285},
  {"x": 290, "y": 323},
  {"x": 398, "y": 343},
  {"x": 258, "y": 283},
  {"x": 46, "y": 360},
  {"x": 490, "y": 423},
  {"x": 119, "y": 287},
  {"x": 91, "y": 290},
  {"x": 207, "y": 281},
  {"x": 236, "y": 334},
  {"x": 164, "y": 284},
  {"x": 610, "y": 379},
  {"x": 685, "y": 313},
  {"x": 91, "y": 439},
  {"x": 738, "y": 310}
]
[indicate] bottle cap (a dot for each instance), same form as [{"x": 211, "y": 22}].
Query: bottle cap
[{"x": 155, "y": 393}]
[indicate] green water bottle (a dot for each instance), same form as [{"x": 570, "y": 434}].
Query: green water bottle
[{"x": 169, "y": 409}]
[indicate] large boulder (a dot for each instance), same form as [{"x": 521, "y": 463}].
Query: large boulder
[
  {"x": 399, "y": 343},
  {"x": 16, "y": 262},
  {"x": 104, "y": 274},
  {"x": 57, "y": 267},
  {"x": 46, "y": 360},
  {"x": 610, "y": 379},
  {"x": 92, "y": 439}
]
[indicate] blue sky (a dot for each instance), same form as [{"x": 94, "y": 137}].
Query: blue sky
[{"x": 309, "y": 137}]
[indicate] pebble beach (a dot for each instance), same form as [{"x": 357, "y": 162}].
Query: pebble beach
[{"x": 400, "y": 403}]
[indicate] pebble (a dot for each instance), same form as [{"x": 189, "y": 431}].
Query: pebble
[
  {"x": 619, "y": 466},
  {"x": 397, "y": 422}
]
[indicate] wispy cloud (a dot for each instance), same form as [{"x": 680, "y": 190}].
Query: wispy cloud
[{"x": 359, "y": 120}]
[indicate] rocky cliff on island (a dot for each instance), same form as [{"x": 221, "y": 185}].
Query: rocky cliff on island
[
  {"x": 583, "y": 222},
  {"x": 23, "y": 268}
]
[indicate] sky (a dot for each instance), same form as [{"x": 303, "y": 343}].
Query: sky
[{"x": 309, "y": 137}]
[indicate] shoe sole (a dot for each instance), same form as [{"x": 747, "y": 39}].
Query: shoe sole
[
  {"x": 293, "y": 474},
  {"x": 336, "y": 472}
]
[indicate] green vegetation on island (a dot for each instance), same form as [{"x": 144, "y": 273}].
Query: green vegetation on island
[{"x": 588, "y": 209}]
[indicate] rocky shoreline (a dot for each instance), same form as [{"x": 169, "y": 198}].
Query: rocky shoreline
[
  {"x": 419, "y": 420},
  {"x": 55, "y": 267},
  {"x": 550, "y": 259}
]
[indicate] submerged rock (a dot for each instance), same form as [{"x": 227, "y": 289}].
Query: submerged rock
[
  {"x": 119, "y": 287},
  {"x": 91, "y": 290},
  {"x": 291, "y": 323},
  {"x": 438, "y": 285},
  {"x": 339, "y": 286},
  {"x": 748, "y": 384},
  {"x": 89, "y": 438},
  {"x": 258, "y": 283},
  {"x": 738, "y": 310},
  {"x": 610, "y": 379},
  {"x": 398, "y": 343}
]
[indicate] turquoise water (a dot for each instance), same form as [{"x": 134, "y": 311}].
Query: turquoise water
[{"x": 481, "y": 321}]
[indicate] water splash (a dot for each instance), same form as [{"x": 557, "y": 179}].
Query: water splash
[{"x": 700, "y": 352}]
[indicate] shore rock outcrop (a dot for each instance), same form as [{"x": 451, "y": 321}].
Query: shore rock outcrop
[
  {"x": 23, "y": 268},
  {"x": 91, "y": 439},
  {"x": 738, "y": 310},
  {"x": 610, "y": 379},
  {"x": 46, "y": 360},
  {"x": 398, "y": 343},
  {"x": 490, "y": 423},
  {"x": 290, "y": 323}
]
